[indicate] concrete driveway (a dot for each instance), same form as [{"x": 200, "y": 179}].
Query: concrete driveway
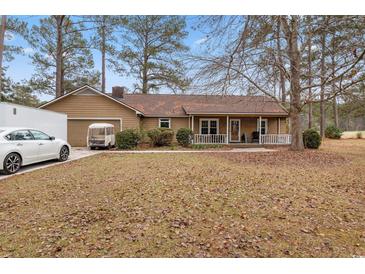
[{"x": 76, "y": 153}]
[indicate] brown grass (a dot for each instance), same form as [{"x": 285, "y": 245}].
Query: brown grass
[{"x": 280, "y": 204}]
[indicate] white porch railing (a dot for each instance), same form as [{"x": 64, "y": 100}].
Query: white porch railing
[
  {"x": 276, "y": 139},
  {"x": 210, "y": 138}
]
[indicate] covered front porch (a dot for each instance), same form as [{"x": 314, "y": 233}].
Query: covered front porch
[{"x": 240, "y": 129}]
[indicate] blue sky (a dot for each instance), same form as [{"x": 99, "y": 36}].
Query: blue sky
[{"x": 21, "y": 67}]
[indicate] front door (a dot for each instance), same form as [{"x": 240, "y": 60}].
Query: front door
[{"x": 235, "y": 132}]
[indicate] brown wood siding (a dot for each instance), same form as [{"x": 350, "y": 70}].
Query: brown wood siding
[
  {"x": 272, "y": 126},
  {"x": 284, "y": 126},
  {"x": 148, "y": 123},
  {"x": 222, "y": 123},
  {"x": 95, "y": 106},
  {"x": 77, "y": 130},
  {"x": 248, "y": 126}
]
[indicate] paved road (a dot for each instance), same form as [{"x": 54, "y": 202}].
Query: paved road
[{"x": 76, "y": 153}]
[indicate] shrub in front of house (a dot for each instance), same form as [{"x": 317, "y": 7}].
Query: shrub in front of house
[
  {"x": 161, "y": 136},
  {"x": 184, "y": 136},
  {"x": 359, "y": 135},
  {"x": 127, "y": 139},
  {"x": 153, "y": 135},
  {"x": 311, "y": 138},
  {"x": 332, "y": 132}
]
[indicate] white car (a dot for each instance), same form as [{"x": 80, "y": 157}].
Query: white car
[{"x": 24, "y": 146}]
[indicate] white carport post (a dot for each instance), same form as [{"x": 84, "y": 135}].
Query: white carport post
[
  {"x": 227, "y": 131},
  {"x": 260, "y": 130}
]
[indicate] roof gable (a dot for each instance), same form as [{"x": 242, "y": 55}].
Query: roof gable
[{"x": 88, "y": 90}]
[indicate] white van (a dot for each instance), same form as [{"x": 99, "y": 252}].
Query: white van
[{"x": 100, "y": 135}]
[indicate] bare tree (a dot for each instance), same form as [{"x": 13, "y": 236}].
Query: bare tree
[
  {"x": 323, "y": 84},
  {"x": 280, "y": 63},
  {"x": 291, "y": 29},
  {"x": 241, "y": 63}
]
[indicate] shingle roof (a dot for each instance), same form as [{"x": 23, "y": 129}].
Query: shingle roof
[{"x": 170, "y": 105}]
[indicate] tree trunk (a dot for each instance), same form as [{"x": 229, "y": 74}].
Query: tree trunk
[
  {"x": 280, "y": 60},
  {"x": 295, "y": 104},
  {"x": 2, "y": 38},
  {"x": 310, "y": 106},
  {"x": 144, "y": 77},
  {"x": 335, "y": 112},
  {"x": 334, "y": 102},
  {"x": 59, "y": 56},
  {"x": 103, "y": 49},
  {"x": 145, "y": 65},
  {"x": 323, "y": 72}
]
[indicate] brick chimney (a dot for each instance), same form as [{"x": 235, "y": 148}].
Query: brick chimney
[{"x": 118, "y": 91}]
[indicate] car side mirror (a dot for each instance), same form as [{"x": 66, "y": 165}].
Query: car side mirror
[{"x": 52, "y": 138}]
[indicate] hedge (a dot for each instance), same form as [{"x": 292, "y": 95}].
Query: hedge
[
  {"x": 127, "y": 139},
  {"x": 184, "y": 136},
  {"x": 161, "y": 136}
]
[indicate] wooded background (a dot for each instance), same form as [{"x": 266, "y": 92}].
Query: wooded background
[{"x": 312, "y": 65}]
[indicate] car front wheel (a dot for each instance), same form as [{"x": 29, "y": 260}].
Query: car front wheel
[
  {"x": 64, "y": 153},
  {"x": 12, "y": 163}
]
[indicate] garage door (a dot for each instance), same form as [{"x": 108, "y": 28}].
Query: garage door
[{"x": 77, "y": 130}]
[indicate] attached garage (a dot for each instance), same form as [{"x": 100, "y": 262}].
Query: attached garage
[
  {"x": 77, "y": 129},
  {"x": 86, "y": 105}
]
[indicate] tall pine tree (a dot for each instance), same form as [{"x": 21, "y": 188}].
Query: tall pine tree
[
  {"x": 152, "y": 48},
  {"x": 104, "y": 40},
  {"x": 62, "y": 57}
]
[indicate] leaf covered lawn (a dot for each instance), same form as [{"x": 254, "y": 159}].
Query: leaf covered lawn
[{"x": 277, "y": 204}]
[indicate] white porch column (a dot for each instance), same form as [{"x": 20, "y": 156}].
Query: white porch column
[
  {"x": 260, "y": 130},
  {"x": 227, "y": 129},
  {"x": 279, "y": 125},
  {"x": 192, "y": 127}
]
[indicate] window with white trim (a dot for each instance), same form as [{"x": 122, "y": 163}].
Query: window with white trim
[
  {"x": 164, "y": 122},
  {"x": 263, "y": 127},
  {"x": 209, "y": 126}
]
